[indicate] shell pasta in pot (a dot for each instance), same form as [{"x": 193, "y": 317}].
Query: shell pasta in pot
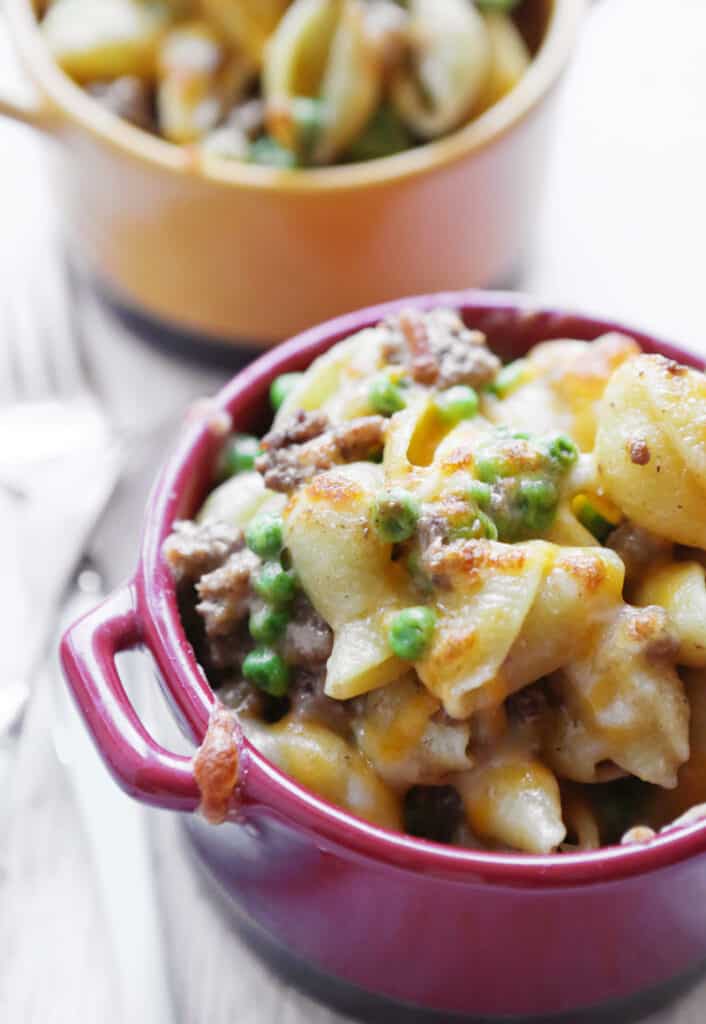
[
  {"x": 295, "y": 83},
  {"x": 461, "y": 599}
]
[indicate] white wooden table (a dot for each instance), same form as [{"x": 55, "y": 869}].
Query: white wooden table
[{"x": 620, "y": 232}]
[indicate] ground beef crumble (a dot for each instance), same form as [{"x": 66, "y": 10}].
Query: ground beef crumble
[
  {"x": 360, "y": 439},
  {"x": 309, "y": 702},
  {"x": 529, "y": 703},
  {"x": 432, "y": 812},
  {"x": 298, "y": 429},
  {"x": 638, "y": 548},
  {"x": 193, "y": 549},
  {"x": 432, "y": 528},
  {"x": 439, "y": 349},
  {"x": 308, "y": 639},
  {"x": 308, "y": 444},
  {"x": 224, "y": 594},
  {"x": 213, "y": 569}
]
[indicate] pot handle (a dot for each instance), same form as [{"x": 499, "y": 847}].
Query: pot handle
[
  {"x": 32, "y": 113},
  {"x": 143, "y": 768},
  {"x": 34, "y": 109}
]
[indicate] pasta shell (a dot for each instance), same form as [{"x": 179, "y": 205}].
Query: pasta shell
[
  {"x": 297, "y": 52},
  {"x": 345, "y": 570},
  {"x": 579, "y": 588},
  {"x": 198, "y": 81},
  {"x": 352, "y": 84},
  {"x": 489, "y": 590},
  {"x": 651, "y": 447},
  {"x": 452, "y": 64},
  {"x": 104, "y": 40},
  {"x": 513, "y": 799},
  {"x": 246, "y": 23},
  {"x": 237, "y": 500},
  {"x": 624, "y": 700},
  {"x": 324, "y": 762},
  {"x": 680, "y": 588},
  {"x": 691, "y": 781},
  {"x": 510, "y": 57},
  {"x": 322, "y": 49},
  {"x": 399, "y": 734},
  {"x": 338, "y": 382}
]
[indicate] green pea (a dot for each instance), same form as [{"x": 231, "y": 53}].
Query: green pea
[
  {"x": 264, "y": 535},
  {"x": 504, "y": 6},
  {"x": 281, "y": 388},
  {"x": 384, "y": 135},
  {"x": 267, "y": 624},
  {"x": 411, "y": 631},
  {"x": 477, "y": 525},
  {"x": 239, "y": 454},
  {"x": 457, "y": 403},
  {"x": 508, "y": 378},
  {"x": 275, "y": 584},
  {"x": 480, "y": 492},
  {"x": 385, "y": 396},
  {"x": 267, "y": 670},
  {"x": 268, "y": 152},
  {"x": 307, "y": 115},
  {"x": 589, "y": 516},
  {"x": 537, "y": 500},
  {"x": 394, "y": 515},
  {"x": 563, "y": 451},
  {"x": 490, "y": 468},
  {"x": 488, "y": 527}
]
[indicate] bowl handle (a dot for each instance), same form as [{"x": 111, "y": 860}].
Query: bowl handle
[{"x": 139, "y": 765}]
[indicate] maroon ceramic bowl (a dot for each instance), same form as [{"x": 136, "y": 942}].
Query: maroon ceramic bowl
[{"x": 382, "y": 920}]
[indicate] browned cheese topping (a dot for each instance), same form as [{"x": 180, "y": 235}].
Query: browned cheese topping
[
  {"x": 216, "y": 765},
  {"x": 639, "y": 452}
]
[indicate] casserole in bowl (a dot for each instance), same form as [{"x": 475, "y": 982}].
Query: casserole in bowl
[
  {"x": 424, "y": 925},
  {"x": 253, "y": 254}
]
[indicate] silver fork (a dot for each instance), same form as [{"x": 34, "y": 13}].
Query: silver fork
[
  {"x": 59, "y": 462},
  {"x": 47, "y": 400}
]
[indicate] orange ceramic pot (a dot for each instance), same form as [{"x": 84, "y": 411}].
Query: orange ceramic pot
[{"x": 252, "y": 254}]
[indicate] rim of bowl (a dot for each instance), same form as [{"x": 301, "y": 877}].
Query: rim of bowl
[
  {"x": 70, "y": 100},
  {"x": 193, "y": 697}
]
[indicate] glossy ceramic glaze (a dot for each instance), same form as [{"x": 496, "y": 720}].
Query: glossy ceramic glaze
[
  {"x": 444, "y": 929},
  {"x": 250, "y": 253}
]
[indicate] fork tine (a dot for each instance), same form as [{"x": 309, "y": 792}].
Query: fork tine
[
  {"x": 41, "y": 351},
  {"x": 58, "y": 336},
  {"x": 30, "y": 377},
  {"x": 9, "y": 373}
]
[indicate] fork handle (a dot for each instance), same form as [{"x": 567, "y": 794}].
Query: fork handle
[{"x": 138, "y": 763}]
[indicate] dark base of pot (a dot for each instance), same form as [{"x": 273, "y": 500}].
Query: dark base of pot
[
  {"x": 178, "y": 341},
  {"x": 233, "y": 353},
  {"x": 370, "y": 1008}
]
